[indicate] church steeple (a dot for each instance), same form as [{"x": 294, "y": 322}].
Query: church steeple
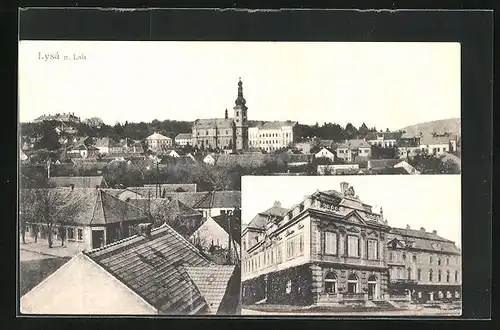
[
  {"x": 226, "y": 116},
  {"x": 240, "y": 100}
]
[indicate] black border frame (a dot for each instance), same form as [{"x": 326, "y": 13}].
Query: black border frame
[{"x": 473, "y": 29}]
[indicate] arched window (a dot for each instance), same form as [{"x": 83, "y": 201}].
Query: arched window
[
  {"x": 419, "y": 274},
  {"x": 430, "y": 275},
  {"x": 390, "y": 255},
  {"x": 404, "y": 256},
  {"x": 331, "y": 283},
  {"x": 439, "y": 261},
  {"x": 352, "y": 284},
  {"x": 439, "y": 275},
  {"x": 430, "y": 260},
  {"x": 409, "y": 273},
  {"x": 456, "y": 276},
  {"x": 447, "y": 261},
  {"x": 447, "y": 276}
]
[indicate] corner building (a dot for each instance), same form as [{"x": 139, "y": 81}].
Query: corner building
[
  {"x": 334, "y": 249},
  {"x": 327, "y": 249}
]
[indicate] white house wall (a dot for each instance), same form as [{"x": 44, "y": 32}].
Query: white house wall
[{"x": 83, "y": 287}]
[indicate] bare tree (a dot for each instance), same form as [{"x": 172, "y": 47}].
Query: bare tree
[{"x": 53, "y": 208}]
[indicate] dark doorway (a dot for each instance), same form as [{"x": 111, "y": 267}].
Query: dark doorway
[
  {"x": 371, "y": 290},
  {"x": 97, "y": 238}
]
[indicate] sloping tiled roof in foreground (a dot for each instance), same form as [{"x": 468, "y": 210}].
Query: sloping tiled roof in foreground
[
  {"x": 212, "y": 282},
  {"x": 154, "y": 268}
]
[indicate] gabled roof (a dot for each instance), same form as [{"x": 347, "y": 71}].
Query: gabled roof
[
  {"x": 96, "y": 207},
  {"x": 382, "y": 163},
  {"x": 157, "y": 136},
  {"x": 155, "y": 269},
  {"x": 183, "y": 136},
  {"x": 208, "y": 199},
  {"x": 354, "y": 144},
  {"x": 212, "y": 123},
  {"x": 424, "y": 240},
  {"x": 226, "y": 222},
  {"x": 277, "y": 124},
  {"x": 212, "y": 282},
  {"x": 77, "y": 181},
  {"x": 171, "y": 187},
  {"x": 260, "y": 220},
  {"x": 384, "y": 135},
  {"x": 430, "y": 139}
]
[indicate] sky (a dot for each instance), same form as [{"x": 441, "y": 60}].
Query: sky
[
  {"x": 387, "y": 85},
  {"x": 429, "y": 201}
]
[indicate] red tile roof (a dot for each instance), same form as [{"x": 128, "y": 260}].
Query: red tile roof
[{"x": 154, "y": 268}]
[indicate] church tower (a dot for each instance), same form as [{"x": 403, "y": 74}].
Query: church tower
[{"x": 240, "y": 121}]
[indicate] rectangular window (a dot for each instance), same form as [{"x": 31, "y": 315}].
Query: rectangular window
[
  {"x": 71, "y": 233},
  {"x": 352, "y": 246},
  {"x": 80, "y": 234},
  {"x": 301, "y": 244},
  {"x": 330, "y": 243},
  {"x": 372, "y": 249}
]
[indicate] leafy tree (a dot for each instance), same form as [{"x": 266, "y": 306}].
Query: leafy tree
[
  {"x": 53, "y": 208},
  {"x": 49, "y": 139},
  {"x": 350, "y": 131},
  {"x": 94, "y": 122},
  {"x": 363, "y": 131}
]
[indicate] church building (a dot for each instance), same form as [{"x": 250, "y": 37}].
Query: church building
[{"x": 224, "y": 133}]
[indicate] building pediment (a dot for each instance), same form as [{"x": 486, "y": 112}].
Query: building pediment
[
  {"x": 354, "y": 217},
  {"x": 396, "y": 242}
]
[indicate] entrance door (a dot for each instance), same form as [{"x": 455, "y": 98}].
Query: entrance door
[
  {"x": 371, "y": 290},
  {"x": 97, "y": 238}
]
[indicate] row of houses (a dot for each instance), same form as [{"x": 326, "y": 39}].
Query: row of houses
[
  {"x": 359, "y": 150},
  {"x": 334, "y": 249}
]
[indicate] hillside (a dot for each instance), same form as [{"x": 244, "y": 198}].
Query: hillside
[{"x": 451, "y": 125}]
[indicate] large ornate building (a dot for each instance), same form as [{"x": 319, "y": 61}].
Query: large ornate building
[
  {"x": 327, "y": 249},
  {"x": 332, "y": 248},
  {"x": 224, "y": 133}
]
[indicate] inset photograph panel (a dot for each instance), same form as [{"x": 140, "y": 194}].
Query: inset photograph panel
[{"x": 352, "y": 245}]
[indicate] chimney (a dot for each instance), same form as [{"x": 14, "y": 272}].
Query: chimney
[
  {"x": 343, "y": 187},
  {"x": 226, "y": 115},
  {"x": 408, "y": 227},
  {"x": 422, "y": 229},
  {"x": 434, "y": 232},
  {"x": 145, "y": 229},
  {"x": 277, "y": 204},
  {"x": 381, "y": 213}
]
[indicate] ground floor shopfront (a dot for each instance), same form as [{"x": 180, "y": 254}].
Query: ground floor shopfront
[{"x": 319, "y": 283}]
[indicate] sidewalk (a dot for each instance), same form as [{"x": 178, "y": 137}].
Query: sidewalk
[
  {"x": 42, "y": 247},
  {"x": 423, "y": 312}
]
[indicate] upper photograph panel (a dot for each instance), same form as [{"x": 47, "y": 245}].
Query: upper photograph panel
[{"x": 237, "y": 108}]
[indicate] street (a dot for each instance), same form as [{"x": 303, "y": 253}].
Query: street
[{"x": 422, "y": 312}]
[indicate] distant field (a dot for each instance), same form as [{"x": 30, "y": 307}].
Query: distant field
[{"x": 34, "y": 269}]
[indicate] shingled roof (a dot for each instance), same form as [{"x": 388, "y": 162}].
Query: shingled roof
[
  {"x": 212, "y": 282},
  {"x": 96, "y": 207},
  {"x": 234, "y": 229},
  {"x": 260, "y": 220},
  {"x": 154, "y": 267},
  {"x": 354, "y": 144},
  {"x": 208, "y": 199},
  {"x": 424, "y": 240},
  {"x": 213, "y": 123},
  {"x": 77, "y": 181}
]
